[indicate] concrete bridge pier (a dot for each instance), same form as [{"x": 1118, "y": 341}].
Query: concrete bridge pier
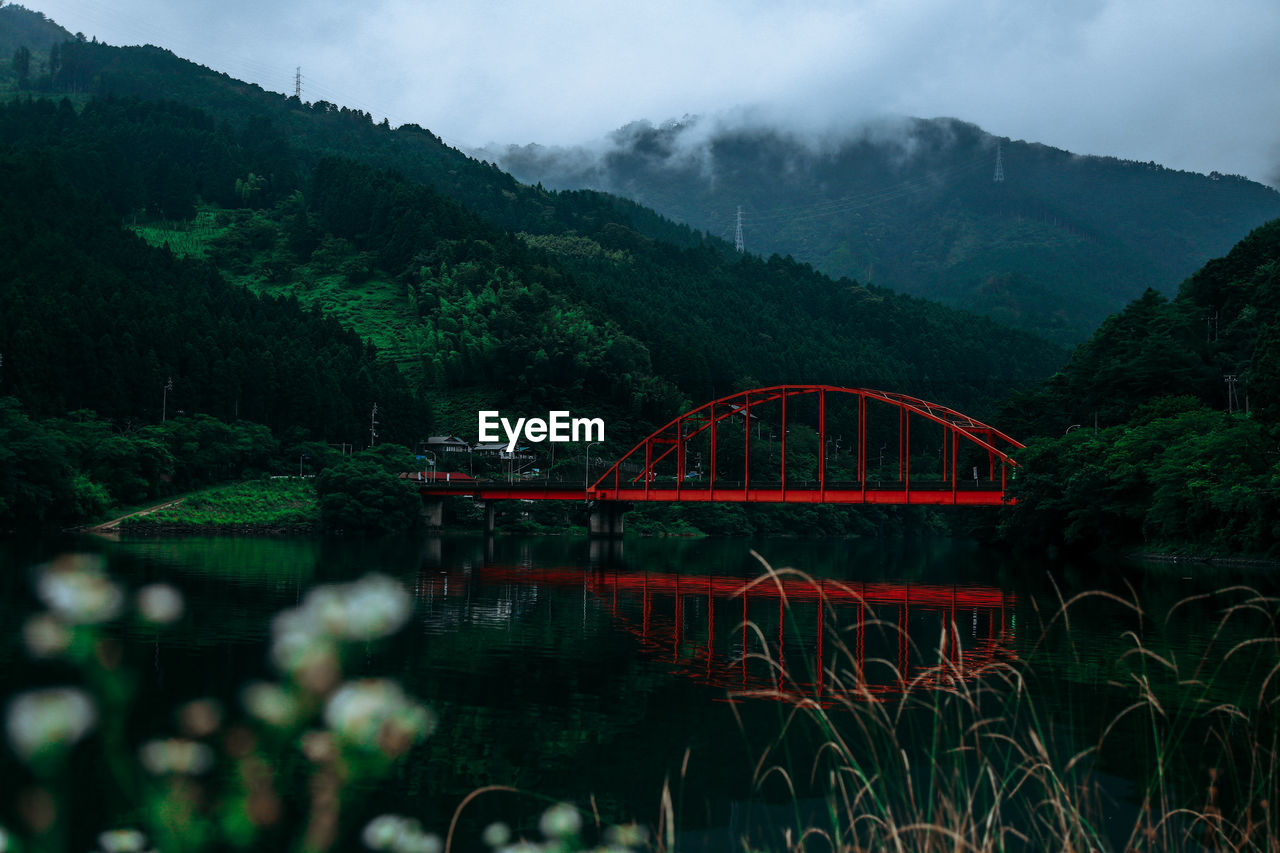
[
  {"x": 490, "y": 516},
  {"x": 607, "y": 518},
  {"x": 433, "y": 512}
]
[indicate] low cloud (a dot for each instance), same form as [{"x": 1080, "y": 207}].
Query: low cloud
[{"x": 1188, "y": 84}]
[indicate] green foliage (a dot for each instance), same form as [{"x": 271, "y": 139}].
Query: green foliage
[
  {"x": 1160, "y": 469},
  {"x": 363, "y": 492},
  {"x": 37, "y": 482},
  {"x": 279, "y": 502},
  {"x": 1181, "y": 474},
  {"x": 91, "y": 318}
]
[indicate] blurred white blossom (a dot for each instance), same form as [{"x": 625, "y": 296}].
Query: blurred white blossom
[
  {"x": 305, "y": 638},
  {"x": 496, "y": 834},
  {"x": 176, "y": 755},
  {"x": 122, "y": 841},
  {"x": 560, "y": 821},
  {"x": 270, "y": 703},
  {"x": 46, "y": 636},
  {"x": 77, "y": 590},
  {"x": 49, "y": 718},
  {"x": 160, "y": 603},
  {"x": 375, "y": 713},
  {"x": 400, "y": 835}
]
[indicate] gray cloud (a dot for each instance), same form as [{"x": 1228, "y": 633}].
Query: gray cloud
[{"x": 1188, "y": 84}]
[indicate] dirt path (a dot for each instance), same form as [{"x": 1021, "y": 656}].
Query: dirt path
[{"x": 108, "y": 528}]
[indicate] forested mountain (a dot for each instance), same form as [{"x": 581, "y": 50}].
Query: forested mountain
[
  {"x": 1165, "y": 425},
  {"x": 20, "y": 27},
  {"x": 618, "y": 263},
  {"x": 305, "y": 262},
  {"x": 1055, "y": 245}
]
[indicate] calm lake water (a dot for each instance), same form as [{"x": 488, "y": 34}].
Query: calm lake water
[{"x": 597, "y": 672}]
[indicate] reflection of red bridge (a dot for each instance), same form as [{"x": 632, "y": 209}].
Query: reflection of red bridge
[
  {"x": 718, "y": 452},
  {"x": 787, "y": 635}
]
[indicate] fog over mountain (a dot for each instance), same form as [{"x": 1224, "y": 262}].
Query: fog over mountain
[
  {"x": 1036, "y": 236},
  {"x": 1184, "y": 83}
]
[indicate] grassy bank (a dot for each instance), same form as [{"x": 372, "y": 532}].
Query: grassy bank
[{"x": 281, "y": 503}]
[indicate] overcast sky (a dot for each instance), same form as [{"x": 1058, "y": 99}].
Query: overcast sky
[{"x": 1191, "y": 85}]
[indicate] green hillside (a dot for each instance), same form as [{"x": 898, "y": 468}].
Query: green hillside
[
  {"x": 304, "y": 263},
  {"x": 835, "y": 331},
  {"x": 1054, "y": 247},
  {"x": 1164, "y": 428}
]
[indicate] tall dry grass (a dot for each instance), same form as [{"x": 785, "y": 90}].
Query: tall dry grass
[{"x": 1175, "y": 751}]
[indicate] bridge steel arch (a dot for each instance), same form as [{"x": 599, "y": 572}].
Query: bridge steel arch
[{"x": 636, "y": 476}]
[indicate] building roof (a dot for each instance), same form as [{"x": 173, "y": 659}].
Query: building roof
[{"x": 446, "y": 439}]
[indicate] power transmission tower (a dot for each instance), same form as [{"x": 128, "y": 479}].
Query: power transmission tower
[
  {"x": 373, "y": 426},
  {"x": 999, "y": 177},
  {"x": 297, "y": 83},
  {"x": 737, "y": 234}
]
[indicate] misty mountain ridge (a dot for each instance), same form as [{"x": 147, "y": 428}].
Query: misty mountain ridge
[
  {"x": 22, "y": 27},
  {"x": 1032, "y": 235},
  {"x": 477, "y": 287}
]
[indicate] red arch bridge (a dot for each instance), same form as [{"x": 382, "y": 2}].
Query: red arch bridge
[{"x": 803, "y": 444}]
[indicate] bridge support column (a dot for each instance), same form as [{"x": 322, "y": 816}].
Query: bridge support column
[
  {"x": 433, "y": 512},
  {"x": 490, "y": 516},
  {"x": 607, "y": 519}
]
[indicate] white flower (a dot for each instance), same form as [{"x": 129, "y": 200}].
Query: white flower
[
  {"x": 374, "y": 606},
  {"x": 270, "y": 703},
  {"x": 560, "y": 821},
  {"x": 496, "y": 834},
  {"x": 377, "y": 606},
  {"x": 49, "y": 718},
  {"x": 160, "y": 603},
  {"x": 77, "y": 590},
  {"x": 305, "y": 637},
  {"x": 46, "y": 636},
  {"x": 122, "y": 841},
  {"x": 375, "y": 713},
  {"x": 382, "y": 832},
  {"x": 175, "y": 755},
  {"x": 400, "y": 835}
]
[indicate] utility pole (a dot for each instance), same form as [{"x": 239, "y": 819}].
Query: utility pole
[
  {"x": 373, "y": 426},
  {"x": 999, "y": 176},
  {"x": 297, "y": 83},
  {"x": 1211, "y": 327},
  {"x": 164, "y": 399},
  {"x": 738, "y": 244},
  {"x": 1233, "y": 398}
]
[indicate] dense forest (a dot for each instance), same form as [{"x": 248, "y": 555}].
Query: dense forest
[
  {"x": 1055, "y": 245},
  {"x": 1164, "y": 428}
]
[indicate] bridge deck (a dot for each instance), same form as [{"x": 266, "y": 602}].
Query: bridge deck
[{"x": 928, "y": 494}]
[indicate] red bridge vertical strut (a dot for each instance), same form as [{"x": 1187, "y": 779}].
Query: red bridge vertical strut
[
  {"x": 797, "y": 444},
  {"x": 786, "y": 455}
]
